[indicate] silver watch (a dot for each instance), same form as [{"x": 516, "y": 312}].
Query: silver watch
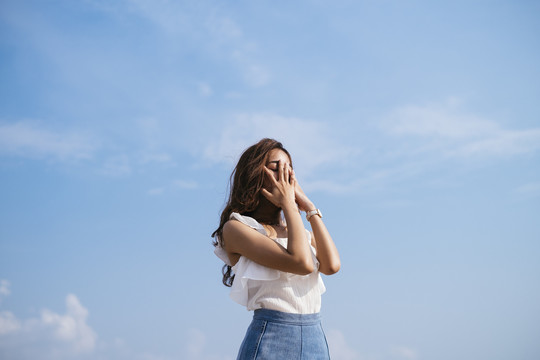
[{"x": 310, "y": 213}]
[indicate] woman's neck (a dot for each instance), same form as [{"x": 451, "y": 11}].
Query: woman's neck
[{"x": 267, "y": 213}]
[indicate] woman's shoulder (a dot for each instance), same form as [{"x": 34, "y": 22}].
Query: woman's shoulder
[
  {"x": 237, "y": 233},
  {"x": 236, "y": 219},
  {"x": 233, "y": 225}
]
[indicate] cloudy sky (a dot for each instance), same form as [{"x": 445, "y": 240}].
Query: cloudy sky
[{"x": 413, "y": 124}]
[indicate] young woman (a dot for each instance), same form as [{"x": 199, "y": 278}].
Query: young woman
[{"x": 272, "y": 263}]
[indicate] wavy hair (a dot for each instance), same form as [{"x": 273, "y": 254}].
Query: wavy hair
[{"x": 245, "y": 184}]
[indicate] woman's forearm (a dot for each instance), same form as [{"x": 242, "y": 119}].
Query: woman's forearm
[
  {"x": 327, "y": 253},
  {"x": 297, "y": 245}
]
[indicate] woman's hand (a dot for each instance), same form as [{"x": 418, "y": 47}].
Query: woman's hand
[{"x": 282, "y": 193}]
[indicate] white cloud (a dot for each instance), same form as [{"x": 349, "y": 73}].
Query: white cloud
[
  {"x": 8, "y": 323},
  {"x": 216, "y": 33},
  {"x": 27, "y": 139},
  {"x": 227, "y": 37},
  {"x": 185, "y": 184},
  {"x": 169, "y": 16},
  {"x": 502, "y": 143},
  {"x": 156, "y": 157},
  {"x": 445, "y": 128},
  {"x": 156, "y": 191},
  {"x": 204, "y": 89},
  {"x": 175, "y": 185},
  {"x": 372, "y": 179},
  {"x": 256, "y": 75},
  {"x": 310, "y": 143},
  {"x": 440, "y": 119},
  {"x": 531, "y": 189},
  {"x": 4, "y": 289},
  {"x": 118, "y": 165},
  {"x": 118, "y": 349},
  {"x": 197, "y": 346},
  {"x": 339, "y": 348},
  {"x": 151, "y": 137},
  {"x": 71, "y": 328},
  {"x": 50, "y": 336},
  {"x": 224, "y": 28},
  {"x": 413, "y": 140},
  {"x": 404, "y": 352}
]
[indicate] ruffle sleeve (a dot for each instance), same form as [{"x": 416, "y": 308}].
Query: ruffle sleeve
[{"x": 220, "y": 252}]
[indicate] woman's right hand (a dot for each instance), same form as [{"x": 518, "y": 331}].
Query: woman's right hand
[{"x": 282, "y": 192}]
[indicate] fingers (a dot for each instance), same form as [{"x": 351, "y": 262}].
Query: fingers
[
  {"x": 282, "y": 185},
  {"x": 293, "y": 178},
  {"x": 285, "y": 174},
  {"x": 267, "y": 194},
  {"x": 282, "y": 169},
  {"x": 270, "y": 174}
]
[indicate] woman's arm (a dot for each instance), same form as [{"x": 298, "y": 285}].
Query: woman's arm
[
  {"x": 243, "y": 240},
  {"x": 240, "y": 239},
  {"x": 327, "y": 253}
]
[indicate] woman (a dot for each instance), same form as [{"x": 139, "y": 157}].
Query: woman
[{"x": 276, "y": 262}]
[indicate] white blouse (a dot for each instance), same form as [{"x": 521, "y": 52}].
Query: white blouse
[{"x": 256, "y": 286}]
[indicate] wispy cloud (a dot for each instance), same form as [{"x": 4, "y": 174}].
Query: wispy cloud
[
  {"x": 339, "y": 348},
  {"x": 310, "y": 142},
  {"x": 196, "y": 344},
  {"x": 410, "y": 141},
  {"x": 372, "y": 180},
  {"x": 8, "y": 323},
  {"x": 531, "y": 189},
  {"x": 197, "y": 347},
  {"x": 170, "y": 16},
  {"x": 441, "y": 120},
  {"x": 175, "y": 185},
  {"x": 445, "y": 127},
  {"x": 28, "y": 139},
  {"x": 4, "y": 289},
  {"x": 502, "y": 143},
  {"x": 156, "y": 191},
  {"x": 185, "y": 184},
  {"x": 117, "y": 166},
  {"x": 216, "y": 33},
  {"x": 226, "y": 36},
  {"x": 404, "y": 352},
  {"x": 204, "y": 89}
]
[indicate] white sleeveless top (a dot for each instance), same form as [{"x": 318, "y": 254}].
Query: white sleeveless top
[{"x": 259, "y": 287}]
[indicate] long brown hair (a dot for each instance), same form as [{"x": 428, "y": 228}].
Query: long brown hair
[{"x": 245, "y": 183}]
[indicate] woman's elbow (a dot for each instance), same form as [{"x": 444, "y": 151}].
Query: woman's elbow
[
  {"x": 305, "y": 268},
  {"x": 331, "y": 269}
]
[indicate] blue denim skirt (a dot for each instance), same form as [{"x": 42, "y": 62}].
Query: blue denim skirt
[{"x": 275, "y": 335}]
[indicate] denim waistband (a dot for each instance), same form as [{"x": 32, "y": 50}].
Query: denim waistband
[{"x": 286, "y": 318}]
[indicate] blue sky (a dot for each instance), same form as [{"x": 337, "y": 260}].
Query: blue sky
[{"x": 413, "y": 125}]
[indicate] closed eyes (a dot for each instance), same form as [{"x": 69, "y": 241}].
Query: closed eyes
[{"x": 276, "y": 164}]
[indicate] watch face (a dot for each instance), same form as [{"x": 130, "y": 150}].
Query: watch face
[{"x": 311, "y": 213}]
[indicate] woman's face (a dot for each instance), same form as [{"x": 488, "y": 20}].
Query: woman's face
[{"x": 275, "y": 157}]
